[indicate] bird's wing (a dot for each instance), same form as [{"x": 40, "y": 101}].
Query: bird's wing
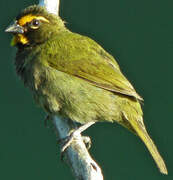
[{"x": 82, "y": 57}]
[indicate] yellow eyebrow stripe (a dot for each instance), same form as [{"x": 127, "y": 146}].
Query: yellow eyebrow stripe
[{"x": 28, "y": 18}]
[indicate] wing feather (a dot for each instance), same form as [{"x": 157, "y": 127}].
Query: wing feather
[{"x": 82, "y": 57}]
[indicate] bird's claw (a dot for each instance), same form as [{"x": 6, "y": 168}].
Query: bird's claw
[
  {"x": 66, "y": 142},
  {"x": 87, "y": 141}
]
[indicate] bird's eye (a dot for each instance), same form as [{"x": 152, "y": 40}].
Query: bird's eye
[{"x": 35, "y": 23}]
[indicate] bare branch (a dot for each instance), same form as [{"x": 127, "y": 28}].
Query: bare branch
[
  {"x": 77, "y": 155},
  {"x": 51, "y": 5},
  {"x": 80, "y": 161}
]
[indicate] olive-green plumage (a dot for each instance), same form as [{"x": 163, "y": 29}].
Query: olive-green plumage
[{"x": 72, "y": 76}]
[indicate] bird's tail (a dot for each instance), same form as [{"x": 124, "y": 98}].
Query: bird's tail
[{"x": 139, "y": 127}]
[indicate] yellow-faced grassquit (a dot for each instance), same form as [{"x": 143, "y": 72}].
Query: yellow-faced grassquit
[{"x": 72, "y": 76}]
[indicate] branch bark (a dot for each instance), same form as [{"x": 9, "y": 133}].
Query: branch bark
[
  {"x": 51, "y": 5},
  {"x": 77, "y": 155}
]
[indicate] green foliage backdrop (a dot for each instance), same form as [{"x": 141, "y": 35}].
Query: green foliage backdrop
[{"x": 140, "y": 35}]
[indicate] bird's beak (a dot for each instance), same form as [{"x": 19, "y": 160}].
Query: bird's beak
[{"x": 15, "y": 29}]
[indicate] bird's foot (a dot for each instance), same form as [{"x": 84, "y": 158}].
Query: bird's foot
[
  {"x": 75, "y": 135},
  {"x": 87, "y": 141},
  {"x": 66, "y": 142}
]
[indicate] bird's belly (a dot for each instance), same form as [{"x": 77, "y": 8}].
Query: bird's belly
[{"x": 72, "y": 97}]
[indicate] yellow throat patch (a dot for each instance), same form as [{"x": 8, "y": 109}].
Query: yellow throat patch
[{"x": 19, "y": 38}]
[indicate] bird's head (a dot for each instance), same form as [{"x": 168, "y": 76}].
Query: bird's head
[{"x": 34, "y": 25}]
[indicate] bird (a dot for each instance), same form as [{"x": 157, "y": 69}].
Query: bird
[{"x": 72, "y": 76}]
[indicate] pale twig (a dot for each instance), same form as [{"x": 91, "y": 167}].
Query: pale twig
[{"x": 51, "y": 5}]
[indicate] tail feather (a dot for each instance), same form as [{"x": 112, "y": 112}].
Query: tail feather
[{"x": 142, "y": 133}]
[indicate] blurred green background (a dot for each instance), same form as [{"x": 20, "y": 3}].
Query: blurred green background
[{"x": 139, "y": 34}]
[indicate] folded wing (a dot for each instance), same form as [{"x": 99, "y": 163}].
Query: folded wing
[{"x": 84, "y": 58}]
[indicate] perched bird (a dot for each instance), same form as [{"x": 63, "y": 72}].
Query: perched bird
[{"x": 72, "y": 76}]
